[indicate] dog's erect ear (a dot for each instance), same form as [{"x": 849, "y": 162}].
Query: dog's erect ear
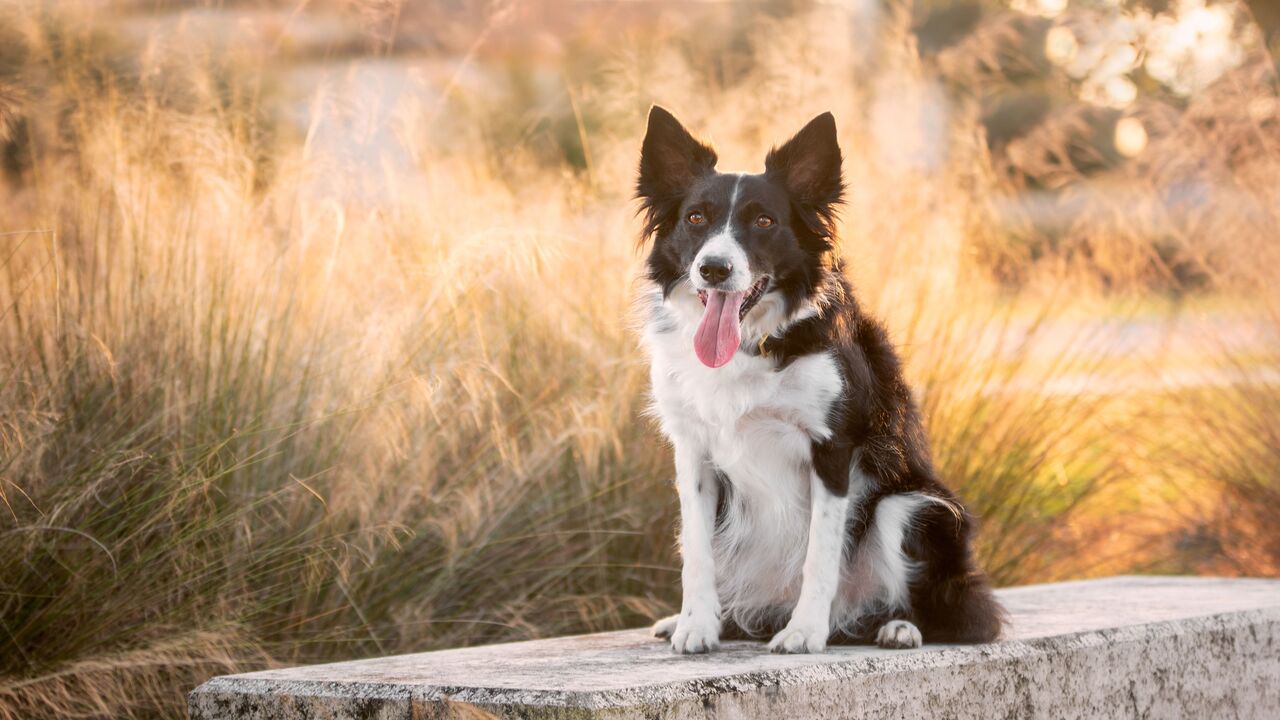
[
  {"x": 670, "y": 160},
  {"x": 808, "y": 165}
]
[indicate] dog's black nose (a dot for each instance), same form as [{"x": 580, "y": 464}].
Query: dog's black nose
[{"x": 715, "y": 269}]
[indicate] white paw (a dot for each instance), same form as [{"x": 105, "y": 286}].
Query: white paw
[
  {"x": 899, "y": 635},
  {"x": 664, "y": 627},
  {"x": 800, "y": 638},
  {"x": 696, "y": 633}
]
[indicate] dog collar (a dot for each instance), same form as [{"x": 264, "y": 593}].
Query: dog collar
[{"x": 760, "y": 348}]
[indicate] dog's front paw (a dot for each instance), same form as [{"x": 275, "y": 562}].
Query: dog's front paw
[
  {"x": 665, "y": 627},
  {"x": 695, "y": 633},
  {"x": 899, "y": 635},
  {"x": 799, "y": 637}
]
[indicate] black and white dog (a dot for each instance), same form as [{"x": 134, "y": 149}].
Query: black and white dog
[{"x": 810, "y": 509}]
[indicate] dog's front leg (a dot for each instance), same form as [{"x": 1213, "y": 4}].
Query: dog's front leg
[
  {"x": 810, "y": 623},
  {"x": 697, "y": 628}
]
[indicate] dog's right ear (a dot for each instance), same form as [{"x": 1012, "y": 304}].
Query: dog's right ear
[
  {"x": 670, "y": 160},
  {"x": 808, "y": 165}
]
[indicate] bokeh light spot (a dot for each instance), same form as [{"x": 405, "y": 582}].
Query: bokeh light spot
[
  {"x": 1130, "y": 137},
  {"x": 1060, "y": 45}
]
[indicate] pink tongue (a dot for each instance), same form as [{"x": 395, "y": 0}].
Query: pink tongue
[{"x": 718, "y": 334}]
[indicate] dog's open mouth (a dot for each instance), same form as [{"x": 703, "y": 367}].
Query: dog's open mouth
[
  {"x": 749, "y": 301},
  {"x": 720, "y": 332}
]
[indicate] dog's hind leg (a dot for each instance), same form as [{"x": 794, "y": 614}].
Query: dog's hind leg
[
  {"x": 665, "y": 627},
  {"x": 900, "y": 635}
]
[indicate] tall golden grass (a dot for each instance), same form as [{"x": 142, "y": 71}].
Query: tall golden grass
[{"x": 259, "y": 409}]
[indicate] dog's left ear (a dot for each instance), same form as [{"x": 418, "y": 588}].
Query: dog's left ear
[
  {"x": 808, "y": 166},
  {"x": 671, "y": 159}
]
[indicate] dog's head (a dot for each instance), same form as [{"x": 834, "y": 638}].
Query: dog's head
[{"x": 743, "y": 246}]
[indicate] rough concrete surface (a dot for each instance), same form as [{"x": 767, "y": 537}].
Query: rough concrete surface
[{"x": 1126, "y": 647}]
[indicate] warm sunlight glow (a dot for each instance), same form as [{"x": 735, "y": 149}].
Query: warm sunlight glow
[
  {"x": 1193, "y": 47},
  {"x": 1044, "y": 8},
  {"x": 1264, "y": 108},
  {"x": 321, "y": 322},
  {"x": 1060, "y": 45},
  {"x": 1120, "y": 91},
  {"x": 1130, "y": 137}
]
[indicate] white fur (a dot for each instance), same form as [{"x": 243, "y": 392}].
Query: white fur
[
  {"x": 893, "y": 569},
  {"x": 899, "y": 634},
  {"x": 810, "y": 623},
  {"x": 780, "y": 547},
  {"x": 756, "y": 426},
  {"x": 724, "y": 245},
  {"x": 880, "y": 575},
  {"x": 666, "y": 627},
  {"x": 698, "y": 628}
]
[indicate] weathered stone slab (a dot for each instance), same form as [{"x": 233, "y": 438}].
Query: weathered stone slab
[{"x": 1127, "y": 647}]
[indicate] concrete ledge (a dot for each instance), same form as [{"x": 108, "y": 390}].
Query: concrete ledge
[{"x": 1128, "y": 647}]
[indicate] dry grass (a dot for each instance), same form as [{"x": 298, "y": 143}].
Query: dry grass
[{"x": 260, "y": 408}]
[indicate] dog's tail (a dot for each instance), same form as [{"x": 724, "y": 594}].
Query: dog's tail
[
  {"x": 952, "y": 598},
  {"x": 962, "y": 610}
]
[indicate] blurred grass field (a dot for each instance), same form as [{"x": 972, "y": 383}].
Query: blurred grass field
[{"x": 316, "y": 325}]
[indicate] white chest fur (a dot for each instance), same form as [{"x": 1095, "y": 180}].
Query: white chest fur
[
  {"x": 755, "y": 424},
  {"x": 720, "y": 407},
  {"x": 747, "y": 411}
]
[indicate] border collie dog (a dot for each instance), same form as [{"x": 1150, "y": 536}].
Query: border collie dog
[{"x": 810, "y": 509}]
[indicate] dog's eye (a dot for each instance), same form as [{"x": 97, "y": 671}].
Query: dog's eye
[
  {"x": 696, "y": 218},
  {"x": 764, "y": 221}
]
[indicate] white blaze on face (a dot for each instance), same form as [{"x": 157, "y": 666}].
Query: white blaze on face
[
  {"x": 725, "y": 245},
  {"x": 720, "y": 333}
]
